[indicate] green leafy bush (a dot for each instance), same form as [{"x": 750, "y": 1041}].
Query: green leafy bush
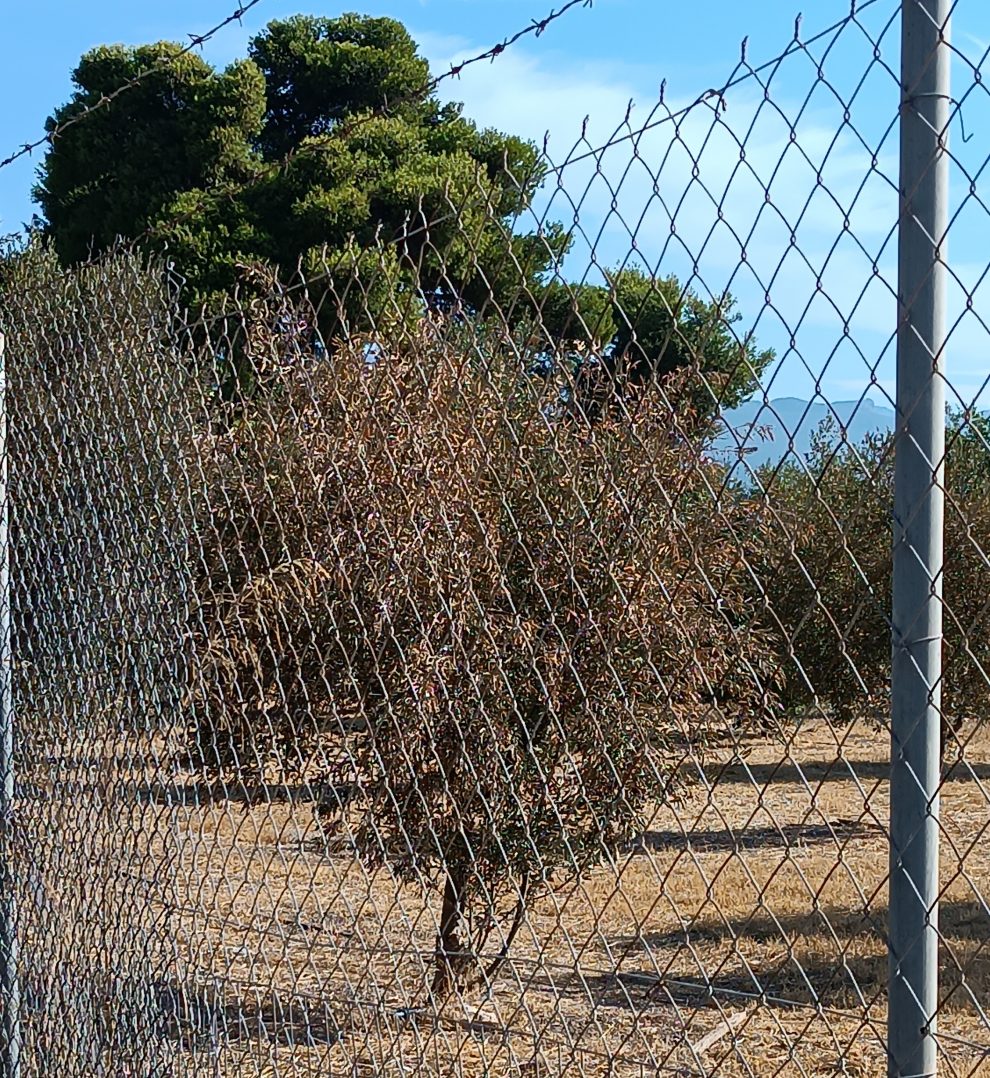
[{"x": 830, "y": 583}]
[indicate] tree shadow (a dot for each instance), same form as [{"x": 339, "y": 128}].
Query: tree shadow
[
  {"x": 191, "y": 794},
  {"x": 958, "y": 920},
  {"x": 202, "y": 1018},
  {"x": 853, "y": 983},
  {"x": 784, "y": 836},
  {"x": 814, "y": 772},
  {"x": 829, "y": 957},
  {"x": 128, "y": 1012},
  {"x": 201, "y": 794},
  {"x": 48, "y": 763}
]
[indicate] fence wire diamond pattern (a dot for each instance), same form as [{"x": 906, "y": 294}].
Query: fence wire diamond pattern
[{"x": 415, "y": 671}]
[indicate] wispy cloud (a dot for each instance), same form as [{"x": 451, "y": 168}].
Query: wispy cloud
[{"x": 779, "y": 201}]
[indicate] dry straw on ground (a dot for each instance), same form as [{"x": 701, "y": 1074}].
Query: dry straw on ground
[{"x": 743, "y": 936}]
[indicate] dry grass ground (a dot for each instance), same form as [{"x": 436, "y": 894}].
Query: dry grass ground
[{"x": 745, "y": 935}]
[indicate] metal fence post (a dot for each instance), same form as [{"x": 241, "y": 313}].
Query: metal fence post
[
  {"x": 917, "y": 554},
  {"x": 10, "y": 996}
]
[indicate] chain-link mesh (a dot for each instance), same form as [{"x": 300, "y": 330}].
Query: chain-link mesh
[{"x": 425, "y": 666}]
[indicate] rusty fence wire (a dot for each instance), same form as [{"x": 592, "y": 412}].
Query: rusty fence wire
[{"x": 425, "y": 663}]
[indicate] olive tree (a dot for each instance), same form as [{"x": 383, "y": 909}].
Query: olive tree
[{"x": 501, "y": 631}]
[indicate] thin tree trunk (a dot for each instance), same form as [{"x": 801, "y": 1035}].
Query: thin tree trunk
[
  {"x": 517, "y": 920},
  {"x": 450, "y": 953}
]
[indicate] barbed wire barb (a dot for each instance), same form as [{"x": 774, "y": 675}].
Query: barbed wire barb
[{"x": 197, "y": 41}]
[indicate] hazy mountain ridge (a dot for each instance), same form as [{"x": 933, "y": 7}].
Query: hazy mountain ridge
[{"x": 763, "y": 432}]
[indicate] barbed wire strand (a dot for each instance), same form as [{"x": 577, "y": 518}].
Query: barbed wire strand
[
  {"x": 196, "y": 41},
  {"x": 536, "y": 27}
]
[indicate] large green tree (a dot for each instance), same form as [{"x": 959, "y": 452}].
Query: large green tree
[
  {"x": 116, "y": 170},
  {"x": 326, "y": 151},
  {"x": 635, "y": 329},
  {"x": 324, "y": 142}
]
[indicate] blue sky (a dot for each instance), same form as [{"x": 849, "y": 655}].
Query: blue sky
[{"x": 800, "y": 231}]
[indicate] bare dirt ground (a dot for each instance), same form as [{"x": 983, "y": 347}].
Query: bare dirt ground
[{"x": 743, "y": 936}]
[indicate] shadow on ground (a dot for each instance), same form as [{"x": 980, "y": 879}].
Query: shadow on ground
[
  {"x": 217, "y": 793},
  {"x": 202, "y": 1019},
  {"x": 784, "y": 836},
  {"x": 814, "y": 772},
  {"x": 193, "y": 794},
  {"x": 113, "y": 1025},
  {"x": 829, "y": 957}
]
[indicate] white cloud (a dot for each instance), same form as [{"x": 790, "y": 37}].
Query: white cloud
[
  {"x": 778, "y": 200},
  {"x": 526, "y": 95},
  {"x": 783, "y": 204}
]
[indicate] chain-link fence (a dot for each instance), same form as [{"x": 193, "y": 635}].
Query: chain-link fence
[{"x": 471, "y": 653}]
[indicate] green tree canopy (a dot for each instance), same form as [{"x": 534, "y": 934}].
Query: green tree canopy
[
  {"x": 326, "y": 138},
  {"x": 635, "y": 328},
  {"x": 115, "y": 171},
  {"x": 831, "y": 581},
  {"x": 326, "y": 151},
  {"x": 319, "y": 71}
]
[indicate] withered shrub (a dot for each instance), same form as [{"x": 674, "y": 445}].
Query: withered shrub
[{"x": 504, "y": 630}]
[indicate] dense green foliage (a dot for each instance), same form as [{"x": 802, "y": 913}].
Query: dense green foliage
[
  {"x": 325, "y": 149},
  {"x": 325, "y": 136},
  {"x": 635, "y": 328},
  {"x": 829, "y": 584},
  {"x": 118, "y": 170}
]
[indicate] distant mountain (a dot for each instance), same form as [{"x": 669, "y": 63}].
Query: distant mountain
[{"x": 766, "y": 431}]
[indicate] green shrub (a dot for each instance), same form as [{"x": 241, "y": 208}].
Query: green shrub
[{"x": 830, "y": 582}]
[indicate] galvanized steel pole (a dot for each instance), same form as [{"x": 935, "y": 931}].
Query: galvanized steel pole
[{"x": 918, "y": 527}]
